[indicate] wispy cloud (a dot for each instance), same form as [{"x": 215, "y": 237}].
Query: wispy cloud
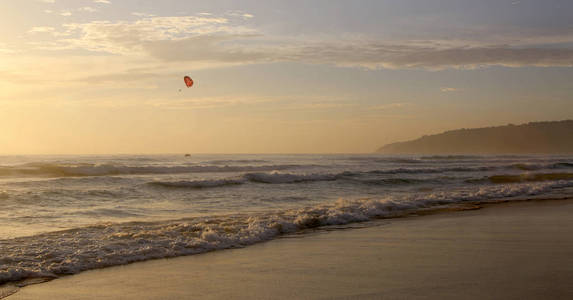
[
  {"x": 102, "y": 1},
  {"x": 140, "y": 14},
  {"x": 229, "y": 39},
  {"x": 5, "y": 50},
  {"x": 65, "y": 13},
  {"x": 240, "y": 14},
  {"x": 448, "y": 89},
  {"x": 151, "y": 35},
  {"x": 395, "y": 56},
  {"x": 88, "y": 9},
  {"x": 42, "y": 29}
]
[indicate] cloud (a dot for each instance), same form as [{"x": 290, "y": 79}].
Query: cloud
[
  {"x": 48, "y": 1},
  {"x": 102, "y": 1},
  {"x": 403, "y": 56},
  {"x": 124, "y": 76},
  {"x": 240, "y": 14},
  {"x": 150, "y": 34},
  {"x": 4, "y": 49},
  {"x": 87, "y": 9},
  {"x": 229, "y": 39},
  {"x": 65, "y": 13},
  {"x": 46, "y": 30},
  {"x": 448, "y": 89},
  {"x": 42, "y": 29},
  {"x": 206, "y": 48},
  {"x": 140, "y": 14}
]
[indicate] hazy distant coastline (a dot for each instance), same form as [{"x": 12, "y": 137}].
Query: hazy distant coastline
[{"x": 531, "y": 138}]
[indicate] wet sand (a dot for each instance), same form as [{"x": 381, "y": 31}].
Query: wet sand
[{"x": 503, "y": 251}]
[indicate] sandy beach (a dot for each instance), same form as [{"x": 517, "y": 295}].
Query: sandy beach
[{"x": 503, "y": 251}]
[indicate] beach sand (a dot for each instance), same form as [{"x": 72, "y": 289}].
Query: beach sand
[{"x": 503, "y": 251}]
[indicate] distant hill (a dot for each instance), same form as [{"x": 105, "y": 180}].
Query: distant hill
[{"x": 536, "y": 137}]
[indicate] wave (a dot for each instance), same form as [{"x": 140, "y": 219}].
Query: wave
[
  {"x": 235, "y": 161},
  {"x": 285, "y": 178},
  {"x": 288, "y": 178},
  {"x": 404, "y": 160},
  {"x": 54, "y": 196},
  {"x": 484, "y": 156},
  {"x": 64, "y": 181},
  {"x": 61, "y": 170},
  {"x": 522, "y": 167},
  {"x": 563, "y": 165},
  {"x": 72, "y": 251},
  {"x": 197, "y": 184},
  {"x": 267, "y": 178},
  {"x": 396, "y": 181},
  {"x": 455, "y": 157},
  {"x": 529, "y": 177},
  {"x": 532, "y": 167},
  {"x": 87, "y": 170}
]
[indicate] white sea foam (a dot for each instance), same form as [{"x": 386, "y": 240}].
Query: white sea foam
[{"x": 71, "y": 251}]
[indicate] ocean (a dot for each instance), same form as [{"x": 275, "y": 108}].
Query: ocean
[{"x": 66, "y": 214}]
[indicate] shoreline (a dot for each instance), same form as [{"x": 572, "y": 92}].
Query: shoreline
[{"x": 473, "y": 209}]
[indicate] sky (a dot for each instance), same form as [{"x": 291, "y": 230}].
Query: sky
[{"x": 313, "y": 76}]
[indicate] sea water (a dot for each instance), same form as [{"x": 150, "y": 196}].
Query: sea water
[{"x": 65, "y": 214}]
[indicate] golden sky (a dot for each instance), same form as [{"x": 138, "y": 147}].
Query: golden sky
[{"x": 94, "y": 77}]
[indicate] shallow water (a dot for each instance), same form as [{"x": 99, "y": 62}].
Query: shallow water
[{"x": 65, "y": 214}]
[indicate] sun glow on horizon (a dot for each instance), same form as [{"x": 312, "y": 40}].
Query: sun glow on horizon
[{"x": 94, "y": 77}]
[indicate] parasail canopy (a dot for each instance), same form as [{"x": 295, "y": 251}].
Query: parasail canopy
[{"x": 188, "y": 81}]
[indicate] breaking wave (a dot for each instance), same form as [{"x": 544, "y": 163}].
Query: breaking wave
[
  {"x": 358, "y": 177},
  {"x": 72, "y": 251}
]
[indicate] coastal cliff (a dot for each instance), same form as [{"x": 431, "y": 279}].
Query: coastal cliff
[{"x": 531, "y": 138}]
